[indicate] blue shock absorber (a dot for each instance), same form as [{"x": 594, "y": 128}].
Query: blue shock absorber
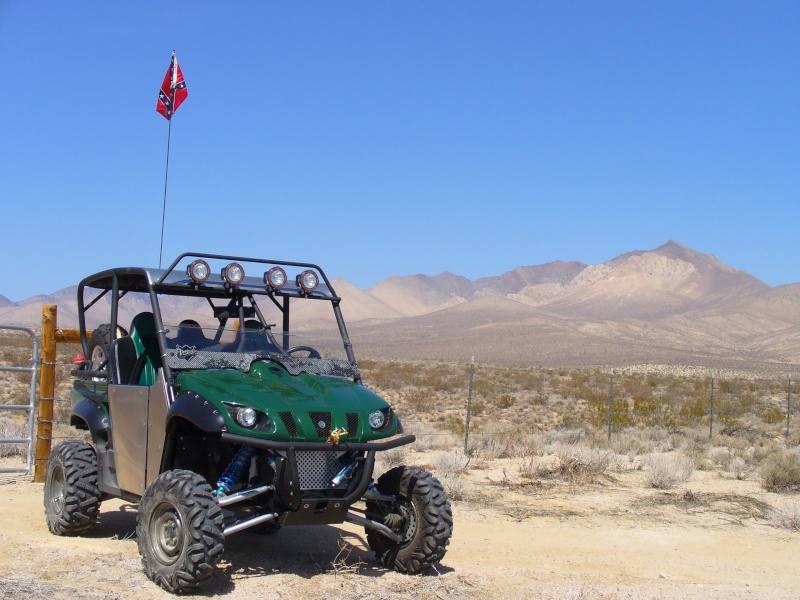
[{"x": 239, "y": 467}]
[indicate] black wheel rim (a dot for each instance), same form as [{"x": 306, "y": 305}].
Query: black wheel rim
[
  {"x": 408, "y": 511},
  {"x": 166, "y": 533}
]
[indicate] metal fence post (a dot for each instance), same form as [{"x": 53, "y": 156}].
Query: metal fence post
[
  {"x": 711, "y": 412},
  {"x": 610, "y": 402},
  {"x": 469, "y": 403},
  {"x": 788, "y": 405}
]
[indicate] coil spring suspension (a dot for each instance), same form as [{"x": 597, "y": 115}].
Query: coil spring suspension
[{"x": 239, "y": 466}]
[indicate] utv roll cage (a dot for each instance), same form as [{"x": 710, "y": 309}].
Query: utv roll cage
[{"x": 171, "y": 281}]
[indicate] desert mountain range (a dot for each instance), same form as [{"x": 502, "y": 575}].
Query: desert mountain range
[{"x": 671, "y": 305}]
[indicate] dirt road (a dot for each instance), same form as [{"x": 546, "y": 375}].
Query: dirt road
[{"x": 711, "y": 539}]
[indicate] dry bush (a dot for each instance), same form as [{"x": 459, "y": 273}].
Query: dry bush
[
  {"x": 11, "y": 429},
  {"x": 665, "y": 471},
  {"x": 787, "y": 516},
  {"x": 450, "y": 464},
  {"x": 781, "y": 472},
  {"x": 430, "y": 438},
  {"x": 738, "y": 466},
  {"x": 578, "y": 464},
  {"x": 455, "y": 486},
  {"x": 390, "y": 458}
]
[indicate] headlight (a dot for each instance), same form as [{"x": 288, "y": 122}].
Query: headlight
[
  {"x": 377, "y": 419},
  {"x": 246, "y": 416},
  {"x": 198, "y": 271},
  {"x": 308, "y": 280},
  {"x": 233, "y": 274},
  {"x": 275, "y": 277}
]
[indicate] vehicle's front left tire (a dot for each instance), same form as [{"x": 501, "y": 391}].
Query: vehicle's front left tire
[
  {"x": 71, "y": 494},
  {"x": 180, "y": 531},
  {"x": 421, "y": 514}
]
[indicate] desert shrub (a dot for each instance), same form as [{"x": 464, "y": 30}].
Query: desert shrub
[
  {"x": 629, "y": 443},
  {"x": 781, "y": 472},
  {"x": 769, "y": 413},
  {"x": 738, "y": 466},
  {"x": 665, "y": 471},
  {"x": 431, "y": 438},
  {"x": 567, "y": 436},
  {"x": 456, "y": 424},
  {"x": 454, "y": 486},
  {"x": 10, "y": 429},
  {"x": 450, "y": 464},
  {"x": 787, "y": 516},
  {"x": 391, "y": 458},
  {"x": 416, "y": 398},
  {"x": 477, "y": 407},
  {"x": 580, "y": 464},
  {"x": 506, "y": 401}
]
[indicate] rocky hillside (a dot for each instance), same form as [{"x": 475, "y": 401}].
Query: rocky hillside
[{"x": 669, "y": 305}]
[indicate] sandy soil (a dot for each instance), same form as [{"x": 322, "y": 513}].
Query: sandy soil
[{"x": 713, "y": 538}]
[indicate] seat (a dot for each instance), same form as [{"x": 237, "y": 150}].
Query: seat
[
  {"x": 143, "y": 334},
  {"x": 123, "y": 360},
  {"x": 190, "y": 334}
]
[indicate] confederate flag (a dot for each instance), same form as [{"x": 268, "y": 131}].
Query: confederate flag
[{"x": 173, "y": 90}]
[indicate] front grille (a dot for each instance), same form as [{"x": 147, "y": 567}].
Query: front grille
[
  {"x": 322, "y": 423},
  {"x": 288, "y": 422},
  {"x": 317, "y": 469},
  {"x": 352, "y": 424}
]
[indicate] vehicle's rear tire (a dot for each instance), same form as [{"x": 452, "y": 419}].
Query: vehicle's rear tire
[
  {"x": 180, "y": 531},
  {"x": 99, "y": 344},
  {"x": 71, "y": 494},
  {"x": 427, "y": 520}
]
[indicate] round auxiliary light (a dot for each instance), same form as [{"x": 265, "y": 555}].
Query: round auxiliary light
[
  {"x": 308, "y": 280},
  {"x": 233, "y": 274},
  {"x": 275, "y": 277},
  {"x": 198, "y": 271},
  {"x": 376, "y": 419},
  {"x": 246, "y": 416}
]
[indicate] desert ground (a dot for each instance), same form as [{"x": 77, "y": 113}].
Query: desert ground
[{"x": 713, "y": 536}]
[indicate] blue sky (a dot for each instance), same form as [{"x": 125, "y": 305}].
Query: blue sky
[{"x": 393, "y": 138}]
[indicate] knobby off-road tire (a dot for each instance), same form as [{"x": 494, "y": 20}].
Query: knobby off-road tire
[
  {"x": 180, "y": 531},
  {"x": 100, "y": 344},
  {"x": 71, "y": 495},
  {"x": 427, "y": 520}
]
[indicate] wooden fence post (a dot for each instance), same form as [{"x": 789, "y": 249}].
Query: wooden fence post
[{"x": 47, "y": 384}]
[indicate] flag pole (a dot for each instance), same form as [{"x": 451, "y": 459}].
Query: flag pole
[{"x": 164, "y": 209}]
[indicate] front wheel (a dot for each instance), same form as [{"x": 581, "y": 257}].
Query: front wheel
[
  {"x": 421, "y": 514},
  {"x": 180, "y": 531}
]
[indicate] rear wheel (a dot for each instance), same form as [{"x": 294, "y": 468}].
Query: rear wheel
[
  {"x": 180, "y": 531},
  {"x": 421, "y": 515},
  {"x": 99, "y": 344},
  {"x": 71, "y": 494}
]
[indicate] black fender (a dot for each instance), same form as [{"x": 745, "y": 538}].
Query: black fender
[
  {"x": 201, "y": 413},
  {"x": 92, "y": 416}
]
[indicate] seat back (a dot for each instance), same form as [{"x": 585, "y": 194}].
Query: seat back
[
  {"x": 122, "y": 360},
  {"x": 143, "y": 334}
]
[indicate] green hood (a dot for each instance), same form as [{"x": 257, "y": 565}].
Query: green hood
[{"x": 297, "y": 405}]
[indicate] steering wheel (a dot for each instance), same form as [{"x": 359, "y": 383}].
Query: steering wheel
[{"x": 312, "y": 353}]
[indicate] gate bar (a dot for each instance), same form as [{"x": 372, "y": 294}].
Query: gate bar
[{"x": 30, "y": 407}]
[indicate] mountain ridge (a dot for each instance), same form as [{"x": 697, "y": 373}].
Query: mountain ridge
[{"x": 671, "y": 304}]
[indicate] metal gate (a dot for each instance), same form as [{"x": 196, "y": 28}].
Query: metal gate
[{"x": 30, "y": 407}]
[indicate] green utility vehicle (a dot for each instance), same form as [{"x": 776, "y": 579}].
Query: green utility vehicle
[{"x": 215, "y": 401}]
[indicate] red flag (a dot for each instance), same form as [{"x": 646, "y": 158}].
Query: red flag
[{"x": 173, "y": 90}]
